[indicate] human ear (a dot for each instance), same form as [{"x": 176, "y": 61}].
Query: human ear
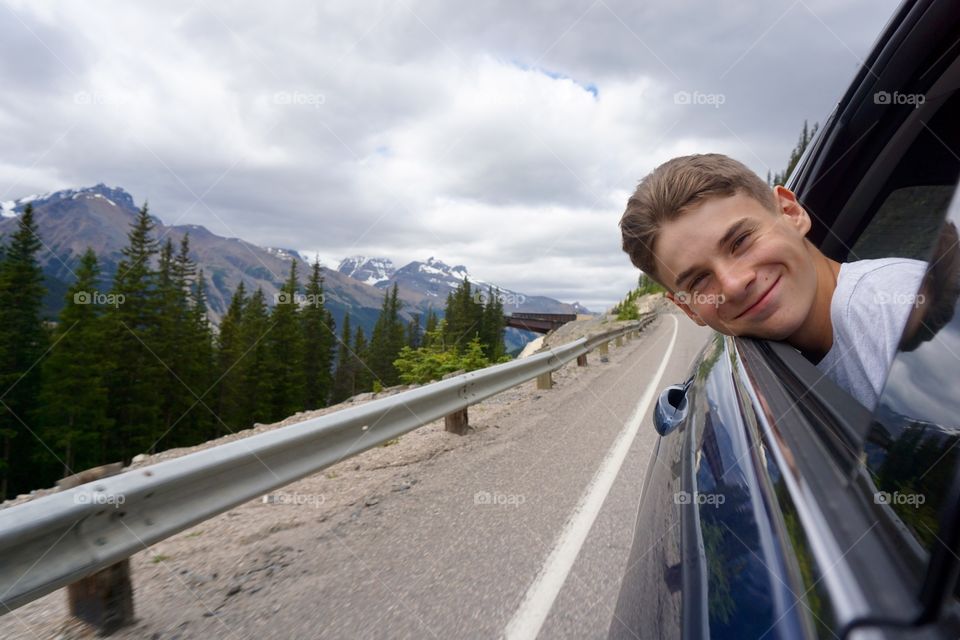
[
  {"x": 686, "y": 309},
  {"x": 788, "y": 206}
]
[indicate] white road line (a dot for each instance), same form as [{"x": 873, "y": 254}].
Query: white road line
[{"x": 529, "y": 618}]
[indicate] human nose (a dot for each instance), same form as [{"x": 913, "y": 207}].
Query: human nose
[{"x": 733, "y": 279}]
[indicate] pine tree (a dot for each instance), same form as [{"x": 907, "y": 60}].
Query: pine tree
[
  {"x": 395, "y": 334},
  {"x": 492, "y": 324},
  {"x": 387, "y": 340},
  {"x": 23, "y": 342},
  {"x": 806, "y": 136},
  {"x": 343, "y": 378},
  {"x": 473, "y": 357},
  {"x": 363, "y": 377},
  {"x": 167, "y": 343},
  {"x": 463, "y": 317},
  {"x": 255, "y": 366},
  {"x": 199, "y": 423},
  {"x": 285, "y": 342},
  {"x": 413, "y": 338},
  {"x": 318, "y": 343},
  {"x": 229, "y": 353},
  {"x": 135, "y": 372},
  {"x": 74, "y": 398},
  {"x": 430, "y": 328}
]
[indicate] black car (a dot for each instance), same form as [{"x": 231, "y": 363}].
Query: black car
[{"x": 777, "y": 506}]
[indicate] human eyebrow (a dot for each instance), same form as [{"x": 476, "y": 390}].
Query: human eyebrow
[{"x": 725, "y": 239}]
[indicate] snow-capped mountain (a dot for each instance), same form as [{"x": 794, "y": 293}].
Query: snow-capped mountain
[
  {"x": 428, "y": 283},
  {"x": 112, "y": 195},
  {"x": 433, "y": 278},
  {"x": 366, "y": 269}
]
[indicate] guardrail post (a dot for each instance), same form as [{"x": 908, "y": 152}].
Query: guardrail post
[
  {"x": 457, "y": 422},
  {"x": 620, "y": 340},
  {"x": 103, "y": 599},
  {"x": 545, "y": 380},
  {"x": 582, "y": 360}
]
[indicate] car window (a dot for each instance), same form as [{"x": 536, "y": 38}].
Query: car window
[
  {"x": 911, "y": 450},
  {"x": 905, "y": 224},
  {"x": 909, "y": 208}
]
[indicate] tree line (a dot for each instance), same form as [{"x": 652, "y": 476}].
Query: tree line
[{"x": 137, "y": 367}]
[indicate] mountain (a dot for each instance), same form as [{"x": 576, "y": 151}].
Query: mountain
[
  {"x": 425, "y": 286},
  {"x": 429, "y": 283},
  {"x": 99, "y": 217},
  {"x": 116, "y": 197},
  {"x": 367, "y": 270}
]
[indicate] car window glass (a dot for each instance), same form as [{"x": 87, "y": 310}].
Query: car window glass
[
  {"x": 904, "y": 224},
  {"x": 911, "y": 447},
  {"x": 910, "y": 207}
]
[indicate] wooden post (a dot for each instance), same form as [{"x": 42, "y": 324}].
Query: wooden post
[
  {"x": 620, "y": 340},
  {"x": 582, "y": 360},
  {"x": 104, "y": 599},
  {"x": 457, "y": 422},
  {"x": 545, "y": 381},
  {"x": 604, "y": 348}
]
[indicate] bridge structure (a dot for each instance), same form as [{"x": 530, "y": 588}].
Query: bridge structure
[{"x": 539, "y": 322}]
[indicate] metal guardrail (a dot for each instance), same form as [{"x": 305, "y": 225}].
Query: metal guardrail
[{"x": 52, "y": 541}]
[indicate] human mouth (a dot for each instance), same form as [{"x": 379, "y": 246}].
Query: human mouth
[{"x": 762, "y": 303}]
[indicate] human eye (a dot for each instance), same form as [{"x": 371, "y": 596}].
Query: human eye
[
  {"x": 740, "y": 240},
  {"x": 697, "y": 281}
]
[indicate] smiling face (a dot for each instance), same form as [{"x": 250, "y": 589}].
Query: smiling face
[{"x": 742, "y": 269}]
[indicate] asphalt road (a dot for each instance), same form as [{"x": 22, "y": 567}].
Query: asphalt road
[{"x": 446, "y": 562}]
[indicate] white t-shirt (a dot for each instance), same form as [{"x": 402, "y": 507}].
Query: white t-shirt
[{"x": 869, "y": 311}]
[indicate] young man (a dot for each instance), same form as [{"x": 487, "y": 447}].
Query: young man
[{"x": 733, "y": 255}]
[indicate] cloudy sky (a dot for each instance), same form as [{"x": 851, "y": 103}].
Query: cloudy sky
[{"x": 503, "y": 135}]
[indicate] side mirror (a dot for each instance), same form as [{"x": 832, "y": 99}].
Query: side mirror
[{"x": 671, "y": 408}]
